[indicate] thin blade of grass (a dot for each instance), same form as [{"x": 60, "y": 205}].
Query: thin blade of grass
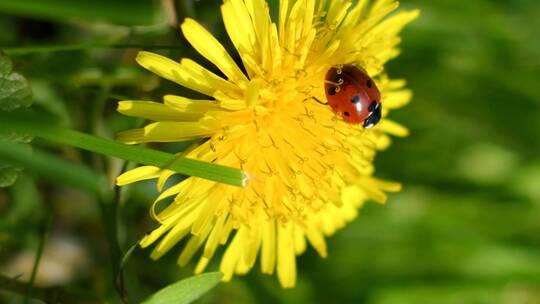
[
  {"x": 23, "y": 50},
  {"x": 37, "y": 260},
  {"x": 32, "y": 124},
  {"x": 132, "y": 12},
  {"x": 51, "y": 167}
]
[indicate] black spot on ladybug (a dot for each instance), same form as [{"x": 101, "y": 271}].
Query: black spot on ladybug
[
  {"x": 350, "y": 89},
  {"x": 372, "y": 106},
  {"x": 332, "y": 91}
]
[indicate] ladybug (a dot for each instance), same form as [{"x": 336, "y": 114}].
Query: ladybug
[{"x": 353, "y": 95}]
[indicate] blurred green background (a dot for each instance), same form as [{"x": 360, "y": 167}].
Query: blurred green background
[{"x": 465, "y": 229}]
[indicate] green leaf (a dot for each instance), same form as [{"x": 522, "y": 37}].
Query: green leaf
[
  {"x": 26, "y": 122},
  {"x": 8, "y": 176},
  {"x": 186, "y": 291},
  {"x": 14, "y": 94},
  {"x": 118, "y": 11},
  {"x": 9, "y": 171},
  {"x": 14, "y": 90}
]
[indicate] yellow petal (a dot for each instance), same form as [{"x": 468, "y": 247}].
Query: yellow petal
[
  {"x": 138, "y": 174},
  {"x": 163, "y": 177},
  {"x": 388, "y": 186},
  {"x": 172, "y": 238},
  {"x": 209, "y": 47},
  {"x": 286, "y": 259},
  {"x": 156, "y": 111},
  {"x": 166, "y": 225},
  {"x": 190, "y": 106},
  {"x": 337, "y": 12},
  {"x": 165, "y": 131},
  {"x": 201, "y": 265},
  {"x": 252, "y": 246},
  {"x": 397, "y": 99},
  {"x": 192, "y": 247},
  {"x": 268, "y": 250},
  {"x": 215, "y": 235},
  {"x": 228, "y": 102},
  {"x": 187, "y": 73},
  {"x": 240, "y": 29},
  {"x": 283, "y": 16},
  {"x": 354, "y": 15},
  {"x": 316, "y": 239},
  {"x": 392, "y": 128},
  {"x": 299, "y": 241},
  {"x": 231, "y": 256},
  {"x": 214, "y": 81}
]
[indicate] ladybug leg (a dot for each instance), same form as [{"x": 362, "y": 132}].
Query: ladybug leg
[
  {"x": 316, "y": 99},
  {"x": 339, "y": 69}
]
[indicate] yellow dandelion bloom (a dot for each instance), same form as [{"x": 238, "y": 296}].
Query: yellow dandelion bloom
[{"x": 309, "y": 170}]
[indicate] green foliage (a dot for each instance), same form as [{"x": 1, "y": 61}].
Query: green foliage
[
  {"x": 15, "y": 93},
  {"x": 14, "y": 90},
  {"x": 34, "y": 125},
  {"x": 52, "y": 168},
  {"x": 8, "y": 176},
  {"x": 118, "y": 11},
  {"x": 27, "y": 203},
  {"x": 186, "y": 291},
  {"x": 463, "y": 230}
]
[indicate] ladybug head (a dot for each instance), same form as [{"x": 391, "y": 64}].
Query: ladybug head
[{"x": 374, "y": 115}]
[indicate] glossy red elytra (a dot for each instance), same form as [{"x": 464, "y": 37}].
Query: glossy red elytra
[{"x": 353, "y": 95}]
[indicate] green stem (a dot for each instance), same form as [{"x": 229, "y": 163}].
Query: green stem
[
  {"x": 109, "y": 211},
  {"x": 39, "y": 254}
]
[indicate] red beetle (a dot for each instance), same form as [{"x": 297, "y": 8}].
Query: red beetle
[{"x": 353, "y": 95}]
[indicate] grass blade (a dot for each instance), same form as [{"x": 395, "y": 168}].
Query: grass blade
[
  {"x": 81, "y": 47},
  {"x": 34, "y": 125},
  {"x": 51, "y": 167},
  {"x": 132, "y": 12},
  {"x": 37, "y": 260}
]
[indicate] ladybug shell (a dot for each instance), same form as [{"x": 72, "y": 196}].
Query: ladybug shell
[{"x": 357, "y": 99}]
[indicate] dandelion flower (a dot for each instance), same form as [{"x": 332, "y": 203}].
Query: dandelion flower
[{"x": 309, "y": 170}]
